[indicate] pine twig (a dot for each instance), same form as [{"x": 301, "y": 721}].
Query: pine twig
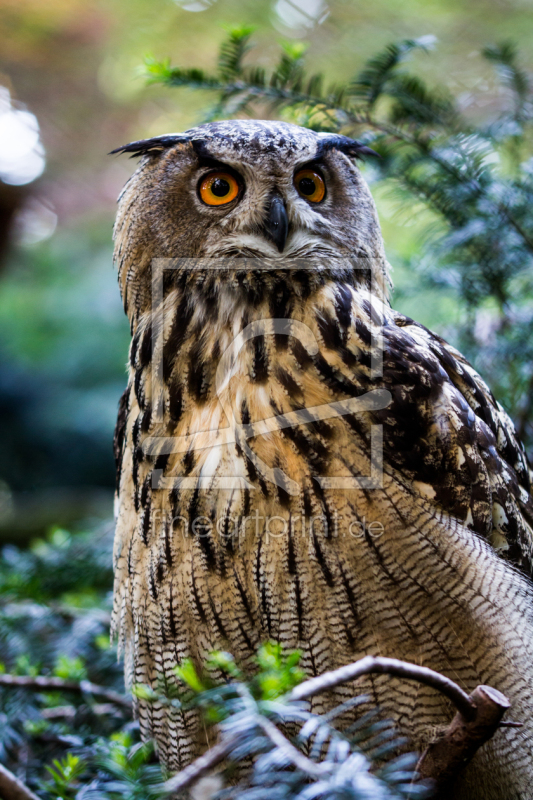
[
  {"x": 299, "y": 760},
  {"x": 11, "y": 788},
  {"x": 43, "y": 683},
  {"x": 213, "y": 757}
]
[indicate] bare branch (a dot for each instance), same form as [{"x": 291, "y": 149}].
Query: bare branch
[
  {"x": 451, "y": 752},
  {"x": 13, "y": 789},
  {"x": 386, "y": 666},
  {"x": 69, "y": 712},
  {"x": 44, "y": 683},
  {"x": 479, "y": 716},
  {"x": 204, "y": 764}
]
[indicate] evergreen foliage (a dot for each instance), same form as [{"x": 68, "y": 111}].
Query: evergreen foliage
[
  {"x": 476, "y": 179},
  {"x": 72, "y": 746}
]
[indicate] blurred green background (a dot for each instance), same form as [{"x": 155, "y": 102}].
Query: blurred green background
[{"x": 72, "y": 90}]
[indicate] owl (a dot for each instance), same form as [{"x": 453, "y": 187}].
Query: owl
[{"x": 298, "y": 462}]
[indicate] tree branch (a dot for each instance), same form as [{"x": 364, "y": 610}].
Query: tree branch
[
  {"x": 43, "y": 683},
  {"x": 479, "y": 716},
  {"x": 70, "y": 712},
  {"x": 13, "y": 789},
  {"x": 454, "y": 749},
  {"x": 204, "y": 764},
  {"x": 386, "y": 666}
]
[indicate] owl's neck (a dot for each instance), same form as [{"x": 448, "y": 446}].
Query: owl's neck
[
  {"x": 209, "y": 315},
  {"x": 205, "y": 311},
  {"x": 217, "y": 295}
]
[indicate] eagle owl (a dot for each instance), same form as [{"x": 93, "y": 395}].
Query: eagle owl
[{"x": 297, "y": 461}]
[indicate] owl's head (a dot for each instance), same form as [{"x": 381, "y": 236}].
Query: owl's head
[{"x": 245, "y": 188}]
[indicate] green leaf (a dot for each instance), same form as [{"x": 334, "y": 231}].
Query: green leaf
[
  {"x": 295, "y": 50},
  {"x": 188, "y": 674},
  {"x": 279, "y": 672},
  {"x": 225, "y": 662},
  {"x": 144, "y": 692}
]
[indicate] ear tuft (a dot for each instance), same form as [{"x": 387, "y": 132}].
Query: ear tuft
[
  {"x": 146, "y": 147},
  {"x": 351, "y": 147},
  {"x": 360, "y": 150}
]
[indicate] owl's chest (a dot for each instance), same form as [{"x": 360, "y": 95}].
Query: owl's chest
[{"x": 250, "y": 426}]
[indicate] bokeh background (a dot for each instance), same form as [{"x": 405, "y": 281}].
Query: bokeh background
[{"x": 72, "y": 89}]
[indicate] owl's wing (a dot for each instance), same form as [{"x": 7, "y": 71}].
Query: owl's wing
[{"x": 447, "y": 434}]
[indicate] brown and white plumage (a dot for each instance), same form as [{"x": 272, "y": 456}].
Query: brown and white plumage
[{"x": 442, "y": 580}]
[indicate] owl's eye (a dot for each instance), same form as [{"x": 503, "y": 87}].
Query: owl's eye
[
  {"x": 310, "y": 185},
  {"x": 218, "y": 188}
]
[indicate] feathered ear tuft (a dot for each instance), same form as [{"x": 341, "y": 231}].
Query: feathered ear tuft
[
  {"x": 359, "y": 150},
  {"x": 351, "y": 147},
  {"x": 148, "y": 146}
]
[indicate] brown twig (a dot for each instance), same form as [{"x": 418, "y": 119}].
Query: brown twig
[
  {"x": 213, "y": 757},
  {"x": 11, "y": 788},
  {"x": 70, "y": 712},
  {"x": 204, "y": 764},
  {"x": 44, "y": 683},
  {"x": 451, "y": 752},
  {"x": 386, "y": 666}
]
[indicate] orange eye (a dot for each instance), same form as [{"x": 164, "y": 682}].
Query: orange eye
[
  {"x": 218, "y": 188},
  {"x": 310, "y": 185}
]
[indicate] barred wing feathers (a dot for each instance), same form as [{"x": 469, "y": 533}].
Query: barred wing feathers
[{"x": 489, "y": 488}]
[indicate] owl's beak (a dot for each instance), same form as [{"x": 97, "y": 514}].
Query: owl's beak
[{"x": 277, "y": 222}]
